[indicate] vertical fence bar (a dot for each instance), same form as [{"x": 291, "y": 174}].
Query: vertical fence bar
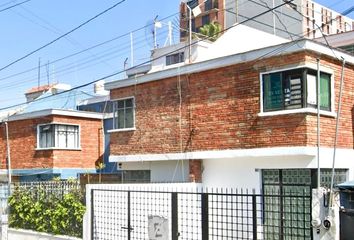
[
  {"x": 129, "y": 220},
  {"x": 281, "y": 206},
  {"x": 174, "y": 213},
  {"x": 254, "y": 215},
  {"x": 92, "y": 215},
  {"x": 205, "y": 216}
]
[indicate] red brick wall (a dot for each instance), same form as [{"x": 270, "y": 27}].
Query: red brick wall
[
  {"x": 23, "y": 143},
  {"x": 2, "y": 145},
  {"x": 91, "y": 140},
  {"x": 345, "y": 136},
  {"x": 220, "y": 110}
]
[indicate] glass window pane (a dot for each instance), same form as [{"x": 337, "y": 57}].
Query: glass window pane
[
  {"x": 45, "y": 136},
  {"x": 129, "y": 103},
  {"x": 129, "y": 118},
  {"x": 311, "y": 90},
  {"x": 120, "y": 119},
  {"x": 60, "y": 132},
  {"x": 121, "y": 104},
  {"x": 272, "y": 90},
  {"x": 325, "y": 91}
]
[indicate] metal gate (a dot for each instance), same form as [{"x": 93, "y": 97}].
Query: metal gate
[{"x": 216, "y": 214}]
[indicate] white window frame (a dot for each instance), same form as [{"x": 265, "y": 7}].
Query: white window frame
[
  {"x": 311, "y": 66},
  {"x": 179, "y": 58},
  {"x": 114, "y": 115},
  {"x": 58, "y": 148}
]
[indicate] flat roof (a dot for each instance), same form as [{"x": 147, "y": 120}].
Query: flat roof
[
  {"x": 48, "y": 112},
  {"x": 290, "y": 47}
]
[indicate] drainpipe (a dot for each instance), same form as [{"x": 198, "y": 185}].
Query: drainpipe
[
  {"x": 318, "y": 124},
  {"x": 336, "y": 133}
]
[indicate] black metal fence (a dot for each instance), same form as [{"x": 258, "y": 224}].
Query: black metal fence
[
  {"x": 133, "y": 214},
  {"x": 56, "y": 188}
]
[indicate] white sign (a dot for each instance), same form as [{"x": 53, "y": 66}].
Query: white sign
[{"x": 157, "y": 227}]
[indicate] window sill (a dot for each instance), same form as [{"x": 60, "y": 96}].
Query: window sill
[
  {"x": 121, "y": 130},
  {"x": 301, "y": 110},
  {"x": 55, "y": 148}
]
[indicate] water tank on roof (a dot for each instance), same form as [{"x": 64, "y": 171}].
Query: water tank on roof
[{"x": 98, "y": 88}]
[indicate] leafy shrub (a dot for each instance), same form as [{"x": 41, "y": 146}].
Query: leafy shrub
[{"x": 43, "y": 211}]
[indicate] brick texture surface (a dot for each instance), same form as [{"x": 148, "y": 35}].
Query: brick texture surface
[
  {"x": 220, "y": 110},
  {"x": 23, "y": 143}
]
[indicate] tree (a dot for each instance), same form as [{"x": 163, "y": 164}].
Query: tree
[{"x": 211, "y": 30}]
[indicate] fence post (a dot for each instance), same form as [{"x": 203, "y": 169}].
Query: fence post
[
  {"x": 92, "y": 215},
  {"x": 254, "y": 215},
  {"x": 205, "y": 216},
  {"x": 129, "y": 226},
  {"x": 174, "y": 213}
]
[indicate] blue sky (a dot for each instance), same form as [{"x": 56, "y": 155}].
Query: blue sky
[{"x": 35, "y": 23}]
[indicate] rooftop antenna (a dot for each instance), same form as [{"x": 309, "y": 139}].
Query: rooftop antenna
[
  {"x": 150, "y": 32},
  {"x": 53, "y": 75},
  {"x": 125, "y": 63},
  {"x": 131, "y": 50},
  {"x": 39, "y": 72},
  {"x": 169, "y": 38},
  {"x": 47, "y": 69}
]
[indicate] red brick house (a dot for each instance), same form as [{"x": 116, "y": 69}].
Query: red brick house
[
  {"x": 241, "y": 120},
  {"x": 52, "y": 143}
]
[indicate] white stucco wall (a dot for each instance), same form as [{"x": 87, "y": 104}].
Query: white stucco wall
[
  {"x": 162, "y": 171},
  {"x": 244, "y": 172},
  {"x": 20, "y": 234}
]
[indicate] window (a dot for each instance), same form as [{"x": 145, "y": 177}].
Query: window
[
  {"x": 123, "y": 117},
  {"x": 175, "y": 58},
  {"x": 58, "y": 136},
  {"x": 205, "y": 19},
  {"x": 194, "y": 28},
  {"x": 208, "y": 5},
  {"x": 192, "y": 3},
  {"x": 101, "y": 107},
  {"x": 139, "y": 176},
  {"x": 294, "y": 89}
]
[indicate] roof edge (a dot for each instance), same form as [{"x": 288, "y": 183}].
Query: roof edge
[
  {"x": 60, "y": 112},
  {"x": 290, "y": 47}
]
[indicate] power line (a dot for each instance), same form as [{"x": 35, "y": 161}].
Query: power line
[
  {"x": 82, "y": 63},
  {"x": 149, "y": 61},
  {"x": 51, "y": 28},
  {"x": 274, "y": 51},
  {"x": 84, "y": 50},
  {"x": 63, "y": 35},
  {"x": 15, "y": 5}
]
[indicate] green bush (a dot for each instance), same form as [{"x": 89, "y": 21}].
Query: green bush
[{"x": 47, "y": 212}]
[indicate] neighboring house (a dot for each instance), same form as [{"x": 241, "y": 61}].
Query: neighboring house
[
  {"x": 102, "y": 104},
  {"x": 344, "y": 41},
  {"x": 241, "y": 120},
  {"x": 285, "y": 21},
  {"x": 50, "y": 138}
]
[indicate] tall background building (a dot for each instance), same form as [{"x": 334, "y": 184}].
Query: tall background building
[{"x": 293, "y": 20}]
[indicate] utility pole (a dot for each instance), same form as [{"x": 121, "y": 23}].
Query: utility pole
[
  {"x": 39, "y": 72},
  {"x": 131, "y": 50},
  {"x": 5, "y": 214},
  {"x": 318, "y": 124},
  {"x": 8, "y": 157},
  {"x": 47, "y": 69}
]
